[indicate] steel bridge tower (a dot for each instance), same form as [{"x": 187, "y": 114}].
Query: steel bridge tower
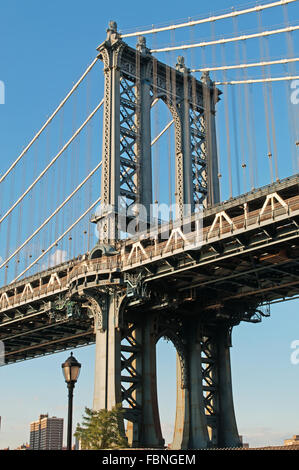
[
  {"x": 126, "y": 336},
  {"x": 134, "y": 81}
]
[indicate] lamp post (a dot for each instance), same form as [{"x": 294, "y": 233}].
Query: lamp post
[{"x": 71, "y": 369}]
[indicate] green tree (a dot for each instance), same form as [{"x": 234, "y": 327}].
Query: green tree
[{"x": 101, "y": 429}]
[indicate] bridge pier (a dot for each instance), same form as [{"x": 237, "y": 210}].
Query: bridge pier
[
  {"x": 198, "y": 436},
  {"x": 143, "y": 428},
  {"x": 217, "y": 386},
  {"x": 205, "y": 412},
  {"x": 126, "y": 373},
  {"x": 228, "y": 432},
  {"x": 107, "y": 392}
]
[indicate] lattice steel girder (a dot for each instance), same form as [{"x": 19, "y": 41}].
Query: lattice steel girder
[{"x": 133, "y": 80}]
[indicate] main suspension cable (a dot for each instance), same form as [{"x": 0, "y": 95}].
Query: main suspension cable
[
  {"x": 227, "y": 40},
  {"x": 207, "y": 20},
  {"x": 258, "y": 80},
  {"x": 241, "y": 66},
  {"x": 162, "y": 132},
  {"x": 58, "y": 239},
  {"x": 2, "y": 178},
  {"x": 53, "y": 160},
  {"x": 51, "y": 216}
]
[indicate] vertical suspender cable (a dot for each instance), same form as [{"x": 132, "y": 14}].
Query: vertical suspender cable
[
  {"x": 8, "y": 229},
  {"x": 73, "y": 172},
  {"x": 250, "y": 135},
  {"x": 240, "y": 111},
  {"x": 214, "y": 97},
  {"x": 272, "y": 118},
  {"x": 19, "y": 221},
  {"x": 48, "y": 195},
  {"x": 293, "y": 114},
  {"x": 254, "y": 151},
  {"x": 227, "y": 127},
  {"x": 236, "y": 146},
  {"x": 89, "y": 153},
  {"x": 266, "y": 106}
]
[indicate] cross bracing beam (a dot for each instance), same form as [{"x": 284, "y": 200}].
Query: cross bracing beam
[{"x": 50, "y": 347}]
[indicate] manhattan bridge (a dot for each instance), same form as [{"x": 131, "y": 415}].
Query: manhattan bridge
[{"x": 171, "y": 211}]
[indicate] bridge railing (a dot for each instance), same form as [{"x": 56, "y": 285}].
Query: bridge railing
[{"x": 190, "y": 240}]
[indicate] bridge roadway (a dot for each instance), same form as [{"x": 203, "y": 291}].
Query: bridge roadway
[{"x": 240, "y": 256}]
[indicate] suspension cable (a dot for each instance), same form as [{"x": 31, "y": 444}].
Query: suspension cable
[
  {"x": 58, "y": 239},
  {"x": 162, "y": 132},
  {"x": 49, "y": 120},
  {"x": 258, "y": 80},
  {"x": 53, "y": 161},
  {"x": 226, "y": 40},
  {"x": 209, "y": 19},
  {"x": 241, "y": 66},
  {"x": 52, "y": 215}
]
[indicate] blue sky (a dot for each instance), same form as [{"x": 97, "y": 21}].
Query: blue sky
[{"x": 45, "y": 47}]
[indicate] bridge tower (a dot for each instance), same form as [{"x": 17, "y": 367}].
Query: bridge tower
[
  {"x": 129, "y": 318},
  {"x": 134, "y": 80}
]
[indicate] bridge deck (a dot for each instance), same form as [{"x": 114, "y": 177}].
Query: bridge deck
[{"x": 243, "y": 252}]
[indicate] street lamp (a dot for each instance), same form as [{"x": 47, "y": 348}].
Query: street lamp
[{"x": 71, "y": 369}]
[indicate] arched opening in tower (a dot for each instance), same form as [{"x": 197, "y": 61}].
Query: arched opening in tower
[{"x": 163, "y": 159}]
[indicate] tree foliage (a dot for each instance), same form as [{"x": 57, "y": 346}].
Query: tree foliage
[{"x": 101, "y": 429}]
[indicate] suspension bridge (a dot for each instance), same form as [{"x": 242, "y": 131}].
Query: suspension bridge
[{"x": 185, "y": 226}]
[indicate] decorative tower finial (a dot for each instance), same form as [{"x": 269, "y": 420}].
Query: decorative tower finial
[
  {"x": 141, "y": 45},
  {"x": 180, "y": 65},
  {"x": 112, "y": 26},
  {"x": 205, "y": 78},
  {"x": 112, "y": 33}
]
